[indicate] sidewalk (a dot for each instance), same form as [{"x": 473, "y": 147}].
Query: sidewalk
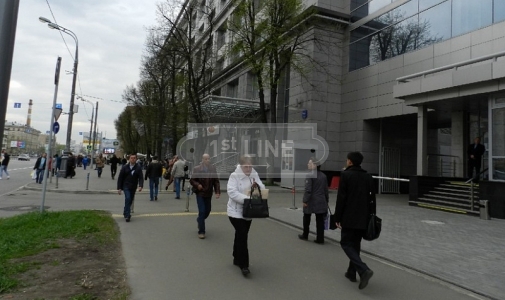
[{"x": 463, "y": 250}]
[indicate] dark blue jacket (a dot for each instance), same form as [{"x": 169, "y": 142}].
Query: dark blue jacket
[{"x": 129, "y": 178}]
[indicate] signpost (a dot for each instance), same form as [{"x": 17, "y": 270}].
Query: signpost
[{"x": 56, "y": 127}]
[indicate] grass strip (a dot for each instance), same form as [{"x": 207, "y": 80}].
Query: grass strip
[{"x": 36, "y": 232}]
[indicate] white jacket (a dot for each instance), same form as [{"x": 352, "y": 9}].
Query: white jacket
[{"x": 238, "y": 185}]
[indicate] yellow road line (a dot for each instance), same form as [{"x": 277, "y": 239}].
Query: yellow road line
[
  {"x": 182, "y": 214},
  {"x": 442, "y": 208}
]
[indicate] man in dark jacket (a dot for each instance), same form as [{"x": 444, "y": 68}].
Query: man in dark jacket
[
  {"x": 315, "y": 201},
  {"x": 114, "y": 160},
  {"x": 204, "y": 181},
  {"x": 355, "y": 203},
  {"x": 475, "y": 152},
  {"x": 40, "y": 167},
  {"x": 129, "y": 177},
  {"x": 5, "y": 164},
  {"x": 153, "y": 172}
]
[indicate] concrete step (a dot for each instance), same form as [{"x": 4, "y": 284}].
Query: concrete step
[
  {"x": 435, "y": 195},
  {"x": 455, "y": 190},
  {"x": 448, "y": 203},
  {"x": 444, "y": 208}
]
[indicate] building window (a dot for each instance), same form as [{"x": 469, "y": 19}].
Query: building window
[
  {"x": 232, "y": 89},
  {"x": 498, "y": 143},
  {"x": 470, "y": 15},
  {"x": 221, "y": 37}
]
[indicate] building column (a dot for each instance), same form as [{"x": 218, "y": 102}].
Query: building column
[
  {"x": 458, "y": 141},
  {"x": 422, "y": 141}
]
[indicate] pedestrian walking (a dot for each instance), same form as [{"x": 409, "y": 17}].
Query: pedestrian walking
[
  {"x": 204, "y": 181},
  {"x": 153, "y": 172},
  {"x": 170, "y": 164},
  {"x": 178, "y": 175},
  {"x": 100, "y": 163},
  {"x": 130, "y": 176},
  {"x": 5, "y": 164},
  {"x": 240, "y": 182},
  {"x": 315, "y": 201},
  {"x": 355, "y": 203},
  {"x": 114, "y": 161},
  {"x": 71, "y": 163},
  {"x": 40, "y": 166},
  {"x": 85, "y": 161}
]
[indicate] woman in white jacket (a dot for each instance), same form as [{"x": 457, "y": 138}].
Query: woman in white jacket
[{"x": 239, "y": 183}]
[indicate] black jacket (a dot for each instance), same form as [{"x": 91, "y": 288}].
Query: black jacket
[
  {"x": 5, "y": 161},
  {"x": 154, "y": 170},
  {"x": 37, "y": 163},
  {"x": 316, "y": 194},
  {"x": 129, "y": 178},
  {"x": 477, "y": 152},
  {"x": 114, "y": 160},
  {"x": 355, "y": 198}
]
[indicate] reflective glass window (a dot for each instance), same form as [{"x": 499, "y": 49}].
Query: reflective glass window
[
  {"x": 424, "y": 4},
  {"x": 470, "y": 15},
  {"x": 499, "y": 11},
  {"x": 375, "y": 5},
  {"x": 499, "y": 168},
  {"x": 433, "y": 25},
  {"x": 498, "y": 132}
]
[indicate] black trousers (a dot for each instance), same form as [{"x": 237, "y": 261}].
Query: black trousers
[
  {"x": 473, "y": 164},
  {"x": 319, "y": 226},
  {"x": 113, "y": 170},
  {"x": 240, "y": 250},
  {"x": 350, "y": 242}
]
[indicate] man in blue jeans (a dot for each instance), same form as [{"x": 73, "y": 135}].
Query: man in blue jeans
[
  {"x": 129, "y": 176},
  {"x": 153, "y": 172},
  {"x": 178, "y": 175},
  {"x": 204, "y": 181}
]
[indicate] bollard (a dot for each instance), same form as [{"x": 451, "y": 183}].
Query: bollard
[
  {"x": 87, "y": 181},
  {"x": 188, "y": 192},
  {"x": 293, "y": 191},
  {"x": 484, "y": 210}
]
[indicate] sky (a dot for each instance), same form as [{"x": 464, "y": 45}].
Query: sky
[{"x": 111, "y": 36}]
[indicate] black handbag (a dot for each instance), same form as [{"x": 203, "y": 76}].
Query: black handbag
[
  {"x": 333, "y": 220},
  {"x": 374, "y": 228},
  {"x": 255, "y": 206},
  {"x": 374, "y": 223}
]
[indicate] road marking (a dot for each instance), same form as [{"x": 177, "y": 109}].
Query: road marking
[{"x": 170, "y": 214}]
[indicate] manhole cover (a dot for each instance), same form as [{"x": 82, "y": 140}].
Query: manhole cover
[{"x": 433, "y": 222}]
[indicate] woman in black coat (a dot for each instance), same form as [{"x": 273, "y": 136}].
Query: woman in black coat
[{"x": 315, "y": 201}]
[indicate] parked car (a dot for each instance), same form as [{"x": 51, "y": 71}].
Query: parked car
[{"x": 25, "y": 157}]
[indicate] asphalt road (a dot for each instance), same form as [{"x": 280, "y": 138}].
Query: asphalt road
[
  {"x": 166, "y": 260},
  {"x": 19, "y": 172}
]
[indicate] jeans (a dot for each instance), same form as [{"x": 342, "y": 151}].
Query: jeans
[
  {"x": 40, "y": 175},
  {"x": 177, "y": 185},
  {"x": 84, "y": 166},
  {"x": 319, "y": 226},
  {"x": 240, "y": 249},
  {"x": 2, "y": 170},
  {"x": 204, "y": 207},
  {"x": 153, "y": 187},
  {"x": 129, "y": 197},
  {"x": 99, "y": 171},
  {"x": 350, "y": 242}
]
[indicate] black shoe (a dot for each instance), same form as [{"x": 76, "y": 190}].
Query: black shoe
[
  {"x": 365, "y": 277},
  {"x": 245, "y": 271},
  {"x": 350, "y": 277},
  {"x": 236, "y": 263},
  {"x": 155, "y": 198},
  {"x": 166, "y": 188},
  {"x": 183, "y": 190},
  {"x": 302, "y": 237},
  {"x": 319, "y": 242},
  {"x": 128, "y": 219},
  {"x": 178, "y": 198}
]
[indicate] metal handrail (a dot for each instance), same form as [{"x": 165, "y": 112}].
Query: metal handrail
[{"x": 452, "y": 66}]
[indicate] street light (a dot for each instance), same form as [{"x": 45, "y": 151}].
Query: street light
[
  {"x": 91, "y": 127},
  {"x": 76, "y": 61}
]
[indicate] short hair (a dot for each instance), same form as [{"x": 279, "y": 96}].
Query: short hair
[
  {"x": 244, "y": 159},
  {"x": 355, "y": 157},
  {"x": 315, "y": 162}
]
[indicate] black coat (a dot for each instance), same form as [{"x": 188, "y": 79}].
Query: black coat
[
  {"x": 129, "y": 178},
  {"x": 316, "y": 194},
  {"x": 355, "y": 193},
  {"x": 37, "y": 163},
  {"x": 477, "y": 152},
  {"x": 154, "y": 170}
]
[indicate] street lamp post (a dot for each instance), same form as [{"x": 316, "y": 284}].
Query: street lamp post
[{"x": 76, "y": 62}]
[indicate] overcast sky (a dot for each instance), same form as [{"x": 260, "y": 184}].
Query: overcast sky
[{"x": 111, "y": 36}]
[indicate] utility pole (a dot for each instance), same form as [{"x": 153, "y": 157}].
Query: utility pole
[{"x": 94, "y": 131}]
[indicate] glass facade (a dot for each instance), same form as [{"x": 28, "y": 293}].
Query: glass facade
[{"x": 414, "y": 25}]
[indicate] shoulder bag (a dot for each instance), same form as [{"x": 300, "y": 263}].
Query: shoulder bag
[
  {"x": 374, "y": 224},
  {"x": 255, "y": 206}
]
